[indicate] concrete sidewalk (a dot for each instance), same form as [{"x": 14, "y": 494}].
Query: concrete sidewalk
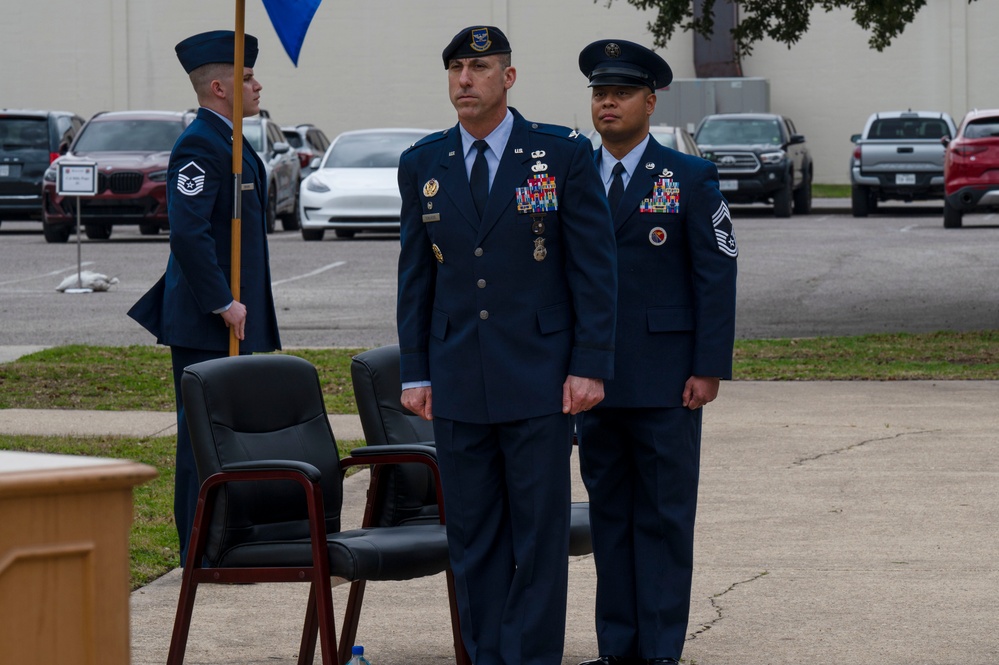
[{"x": 839, "y": 522}]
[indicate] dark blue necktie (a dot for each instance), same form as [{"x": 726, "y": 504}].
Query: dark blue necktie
[
  {"x": 617, "y": 187},
  {"x": 479, "y": 180}
]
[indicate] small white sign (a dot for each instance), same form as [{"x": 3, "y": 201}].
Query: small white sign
[{"x": 77, "y": 179}]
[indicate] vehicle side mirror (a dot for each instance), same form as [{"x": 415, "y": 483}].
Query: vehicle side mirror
[
  {"x": 316, "y": 161},
  {"x": 280, "y": 147},
  {"x": 945, "y": 140},
  {"x": 796, "y": 138},
  {"x": 854, "y": 138}
]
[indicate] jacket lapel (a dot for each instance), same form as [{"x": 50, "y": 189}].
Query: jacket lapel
[
  {"x": 512, "y": 172},
  {"x": 649, "y": 169},
  {"x": 454, "y": 181}
]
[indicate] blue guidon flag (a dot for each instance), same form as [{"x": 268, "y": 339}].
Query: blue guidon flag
[
  {"x": 480, "y": 39},
  {"x": 291, "y": 19}
]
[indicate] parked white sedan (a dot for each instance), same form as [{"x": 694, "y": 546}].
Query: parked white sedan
[{"x": 355, "y": 186}]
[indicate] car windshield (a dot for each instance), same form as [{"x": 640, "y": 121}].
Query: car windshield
[
  {"x": 253, "y": 132},
  {"x": 980, "y": 129},
  {"x": 908, "y": 128},
  {"x": 721, "y": 131},
  {"x": 294, "y": 139},
  {"x": 24, "y": 134},
  {"x": 369, "y": 151},
  {"x": 121, "y": 135}
]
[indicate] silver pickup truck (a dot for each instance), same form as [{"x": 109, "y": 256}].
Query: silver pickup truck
[{"x": 899, "y": 156}]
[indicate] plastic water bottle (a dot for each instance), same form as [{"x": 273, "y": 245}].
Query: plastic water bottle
[{"x": 357, "y": 656}]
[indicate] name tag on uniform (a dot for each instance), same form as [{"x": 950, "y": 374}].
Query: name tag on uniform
[
  {"x": 247, "y": 187},
  {"x": 432, "y": 217}
]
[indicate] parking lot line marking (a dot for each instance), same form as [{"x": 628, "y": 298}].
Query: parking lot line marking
[
  {"x": 310, "y": 274},
  {"x": 48, "y": 274}
]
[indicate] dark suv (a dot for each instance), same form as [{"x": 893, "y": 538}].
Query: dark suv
[
  {"x": 132, "y": 152},
  {"x": 29, "y": 142},
  {"x": 760, "y": 158}
]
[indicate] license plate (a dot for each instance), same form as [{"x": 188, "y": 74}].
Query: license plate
[
  {"x": 905, "y": 178},
  {"x": 728, "y": 185}
]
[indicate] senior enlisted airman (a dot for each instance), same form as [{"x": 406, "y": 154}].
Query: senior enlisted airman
[
  {"x": 191, "y": 307},
  {"x": 639, "y": 448},
  {"x": 507, "y": 284}
]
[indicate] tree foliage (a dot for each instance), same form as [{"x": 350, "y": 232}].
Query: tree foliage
[{"x": 784, "y": 21}]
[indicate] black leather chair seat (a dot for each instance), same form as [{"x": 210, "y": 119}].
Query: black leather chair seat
[{"x": 399, "y": 553}]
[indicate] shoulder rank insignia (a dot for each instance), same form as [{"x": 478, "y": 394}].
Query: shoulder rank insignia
[
  {"x": 538, "y": 196},
  {"x": 724, "y": 233},
  {"x": 191, "y": 179},
  {"x": 665, "y": 197}
]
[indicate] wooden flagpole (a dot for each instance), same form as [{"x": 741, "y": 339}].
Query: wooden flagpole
[{"x": 237, "y": 164}]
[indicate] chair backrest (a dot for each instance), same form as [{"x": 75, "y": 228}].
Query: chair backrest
[
  {"x": 406, "y": 493},
  {"x": 252, "y": 408}
]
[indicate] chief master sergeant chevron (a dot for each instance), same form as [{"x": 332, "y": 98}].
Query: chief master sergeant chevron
[
  {"x": 506, "y": 310},
  {"x": 191, "y": 307},
  {"x": 639, "y": 450}
]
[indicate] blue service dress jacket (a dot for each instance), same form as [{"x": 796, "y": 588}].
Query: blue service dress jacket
[
  {"x": 676, "y": 291},
  {"x": 179, "y": 308},
  {"x": 497, "y": 313}
]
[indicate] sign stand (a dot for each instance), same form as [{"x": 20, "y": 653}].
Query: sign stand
[{"x": 77, "y": 179}]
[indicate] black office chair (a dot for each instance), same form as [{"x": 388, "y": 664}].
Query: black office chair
[
  {"x": 271, "y": 493},
  {"x": 408, "y": 494}
]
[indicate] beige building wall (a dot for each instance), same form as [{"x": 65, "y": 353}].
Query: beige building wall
[{"x": 377, "y": 62}]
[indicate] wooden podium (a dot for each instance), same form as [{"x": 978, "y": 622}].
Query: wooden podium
[{"x": 64, "y": 567}]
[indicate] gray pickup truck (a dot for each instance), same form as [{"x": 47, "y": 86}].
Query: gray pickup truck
[{"x": 899, "y": 156}]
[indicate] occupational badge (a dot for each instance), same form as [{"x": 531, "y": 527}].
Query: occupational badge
[
  {"x": 430, "y": 189},
  {"x": 539, "y": 167},
  {"x": 657, "y": 236},
  {"x": 538, "y": 196},
  {"x": 540, "y": 252},
  {"x": 538, "y": 227},
  {"x": 651, "y": 166},
  {"x": 538, "y": 154},
  {"x": 665, "y": 197},
  {"x": 724, "y": 233},
  {"x": 191, "y": 179},
  {"x": 437, "y": 253}
]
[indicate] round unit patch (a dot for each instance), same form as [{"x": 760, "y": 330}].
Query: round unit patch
[{"x": 657, "y": 236}]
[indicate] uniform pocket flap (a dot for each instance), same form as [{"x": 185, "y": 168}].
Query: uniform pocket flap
[
  {"x": 554, "y": 318},
  {"x": 438, "y": 324}
]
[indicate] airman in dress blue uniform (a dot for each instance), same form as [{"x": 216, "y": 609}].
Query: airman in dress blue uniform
[
  {"x": 506, "y": 310},
  {"x": 640, "y": 447},
  {"x": 191, "y": 307}
]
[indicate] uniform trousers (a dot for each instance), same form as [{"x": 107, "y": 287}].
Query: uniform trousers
[
  {"x": 640, "y": 468},
  {"x": 186, "y": 485},
  {"x": 506, "y": 499}
]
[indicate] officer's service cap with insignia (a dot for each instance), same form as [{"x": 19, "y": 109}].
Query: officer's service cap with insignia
[
  {"x": 476, "y": 41},
  {"x": 215, "y": 46},
  {"x": 619, "y": 62}
]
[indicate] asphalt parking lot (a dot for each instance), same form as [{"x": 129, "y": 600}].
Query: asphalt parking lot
[{"x": 823, "y": 274}]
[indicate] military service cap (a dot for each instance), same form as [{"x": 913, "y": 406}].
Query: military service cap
[
  {"x": 618, "y": 62},
  {"x": 214, "y": 46},
  {"x": 476, "y": 41}
]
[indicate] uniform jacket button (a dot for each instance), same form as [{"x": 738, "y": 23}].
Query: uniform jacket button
[
  {"x": 483, "y": 315},
  {"x": 478, "y": 251},
  {"x": 481, "y": 283}
]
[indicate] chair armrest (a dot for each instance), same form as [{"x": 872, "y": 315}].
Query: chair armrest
[
  {"x": 306, "y": 469},
  {"x": 395, "y": 454},
  {"x": 395, "y": 448}
]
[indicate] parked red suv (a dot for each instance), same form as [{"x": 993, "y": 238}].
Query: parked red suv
[
  {"x": 132, "y": 151},
  {"x": 971, "y": 167}
]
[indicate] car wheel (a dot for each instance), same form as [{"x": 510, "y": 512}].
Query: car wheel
[
  {"x": 313, "y": 234},
  {"x": 55, "y": 234},
  {"x": 291, "y": 221},
  {"x": 270, "y": 217},
  {"x": 803, "y": 195},
  {"x": 149, "y": 229},
  {"x": 98, "y": 231},
  {"x": 345, "y": 233},
  {"x": 952, "y": 216},
  {"x": 859, "y": 201},
  {"x": 782, "y": 200}
]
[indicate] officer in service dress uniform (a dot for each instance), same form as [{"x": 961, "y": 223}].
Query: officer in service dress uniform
[
  {"x": 640, "y": 447},
  {"x": 191, "y": 307},
  {"x": 506, "y": 309}
]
